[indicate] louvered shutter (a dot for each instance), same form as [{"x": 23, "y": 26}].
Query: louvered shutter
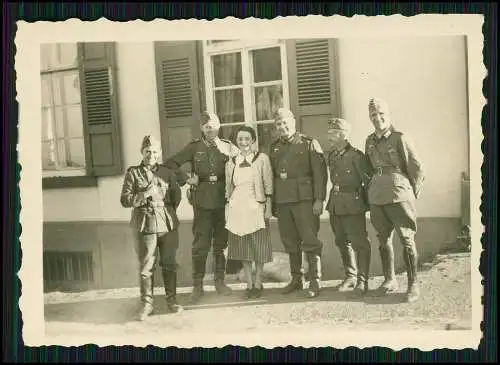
[
  {"x": 178, "y": 83},
  {"x": 313, "y": 96},
  {"x": 178, "y": 93},
  {"x": 100, "y": 109}
]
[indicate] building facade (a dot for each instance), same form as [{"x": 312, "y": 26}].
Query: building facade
[{"x": 100, "y": 99}]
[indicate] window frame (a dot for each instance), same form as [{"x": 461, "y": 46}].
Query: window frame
[
  {"x": 244, "y": 47},
  {"x": 58, "y": 179}
]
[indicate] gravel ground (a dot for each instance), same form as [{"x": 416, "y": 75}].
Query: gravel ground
[{"x": 445, "y": 304}]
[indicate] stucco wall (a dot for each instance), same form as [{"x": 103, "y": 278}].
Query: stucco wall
[{"x": 424, "y": 81}]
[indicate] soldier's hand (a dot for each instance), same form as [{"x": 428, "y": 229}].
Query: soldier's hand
[
  {"x": 317, "y": 207},
  {"x": 193, "y": 180}
]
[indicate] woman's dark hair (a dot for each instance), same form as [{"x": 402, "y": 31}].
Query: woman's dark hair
[{"x": 246, "y": 128}]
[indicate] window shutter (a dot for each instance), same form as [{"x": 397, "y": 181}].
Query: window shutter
[
  {"x": 312, "y": 81},
  {"x": 100, "y": 109},
  {"x": 178, "y": 85}
]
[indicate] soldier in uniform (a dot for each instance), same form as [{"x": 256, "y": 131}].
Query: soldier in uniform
[
  {"x": 207, "y": 156},
  {"x": 154, "y": 194},
  {"x": 347, "y": 205},
  {"x": 300, "y": 177},
  {"x": 397, "y": 178}
]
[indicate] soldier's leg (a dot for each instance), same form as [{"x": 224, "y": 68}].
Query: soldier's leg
[
  {"x": 146, "y": 246},
  {"x": 346, "y": 252},
  {"x": 405, "y": 220},
  {"x": 306, "y": 226},
  {"x": 384, "y": 227},
  {"x": 219, "y": 247},
  {"x": 355, "y": 227},
  {"x": 203, "y": 229},
  {"x": 167, "y": 247},
  {"x": 291, "y": 243}
]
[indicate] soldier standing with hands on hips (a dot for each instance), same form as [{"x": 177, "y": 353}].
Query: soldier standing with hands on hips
[
  {"x": 300, "y": 177},
  {"x": 154, "y": 194},
  {"x": 397, "y": 178},
  {"x": 208, "y": 156},
  {"x": 347, "y": 205}
]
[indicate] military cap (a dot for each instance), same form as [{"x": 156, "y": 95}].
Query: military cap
[
  {"x": 149, "y": 141},
  {"x": 207, "y": 116},
  {"x": 339, "y": 124},
  {"x": 283, "y": 113},
  {"x": 375, "y": 103}
]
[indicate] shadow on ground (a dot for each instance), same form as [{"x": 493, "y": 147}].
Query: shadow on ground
[{"x": 123, "y": 310}]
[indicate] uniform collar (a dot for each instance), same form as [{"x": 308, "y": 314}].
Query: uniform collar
[
  {"x": 214, "y": 143},
  {"x": 290, "y": 139},
  {"x": 343, "y": 150},
  {"x": 385, "y": 134},
  {"x": 152, "y": 169}
]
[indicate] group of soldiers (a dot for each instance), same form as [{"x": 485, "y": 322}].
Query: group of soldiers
[{"x": 385, "y": 180}]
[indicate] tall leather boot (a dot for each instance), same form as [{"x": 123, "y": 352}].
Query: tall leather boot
[
  {"x": 363, "y": 261},
  {"x": 295, "y": 270},
  {"x": 220, "y": 272},
  {"x": 170, "y": 282},
  {"x": 146, "y": 288},
  {"x": 350, "y": 267},
  {"x": 314, "y": 275},
  {"x": 390, "y": 284},
  {"x": 411, "y": 260},
  {"x": 198, "y": 274}
]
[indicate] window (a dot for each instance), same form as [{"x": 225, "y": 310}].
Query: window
[
  {"x": 63, "y": 151},
  {"x": 246, "y": 83},
  {"x": 80, "y": 135}
]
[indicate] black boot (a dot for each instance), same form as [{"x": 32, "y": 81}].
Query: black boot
[
  {"x": 170, "y": 281},
  {"x": 390, "y": 284},
  {"x": 295, "y": 269},
  {"x": 411, "y": 260},
  {"x": 314, "y": 261},
  {"x": 219, "y": 275},
  {"x": 350, "y": 267},
  {"x": 199, "y": 263},
  {"x": 363, "y": 261},
  {"x": 146, "y": 288}
]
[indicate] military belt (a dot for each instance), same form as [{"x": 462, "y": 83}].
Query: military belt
[
  {"x": 207, "y": 179},
  {"x": 153, "y": 204},
  {"x": 345, "y": 189},
  {"x": 383, "y": 170}
]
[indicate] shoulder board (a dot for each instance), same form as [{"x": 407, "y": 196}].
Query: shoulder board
[
  {"x": 226, "y": 140},
  {"x": 398, "y": 133},
  {"x": 195, "y": 140},
  {"x": 307, "y": 138},
  {"x": 316, "y": 146}
]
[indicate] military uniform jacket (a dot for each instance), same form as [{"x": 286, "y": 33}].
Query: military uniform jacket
[
  {"x": 397, "y": 172},
  {"x": 208, "y": 162},
  {"x": 158, "y": 212},
  {"x": 349, "y": 173},
  {"x": 299, "y": 170}
]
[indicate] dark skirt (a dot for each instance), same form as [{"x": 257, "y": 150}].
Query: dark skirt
[{"x": 251, "y": 247}]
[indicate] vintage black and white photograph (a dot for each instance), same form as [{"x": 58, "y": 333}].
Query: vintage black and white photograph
[{"x": 230, "y": 184}]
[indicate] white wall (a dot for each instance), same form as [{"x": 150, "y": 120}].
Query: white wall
[
  {"x": 138, "y": 102},
  {"x": 424, "y": 82}
]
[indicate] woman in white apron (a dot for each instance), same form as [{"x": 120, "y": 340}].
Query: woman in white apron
[{"x": 249, "y": 187}]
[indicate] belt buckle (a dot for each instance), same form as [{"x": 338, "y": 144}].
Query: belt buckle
[
  {"x": 283, "y": 175},
  {"x": 336, "y": 188},
  {"x": 379, "y": 170},
  {"x": 212, "y": 178}
]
